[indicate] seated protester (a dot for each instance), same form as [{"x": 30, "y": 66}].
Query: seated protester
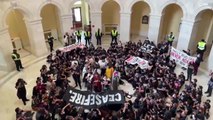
[
  {"x": 43, "y": 114},
  {"x": 44, "y": 73},
  {"x": 103, "y": 64},
  {"x": 23, "y": 114},
  {"x": 96, "y": 82},
  {"x": 109, "y": 72},
  {"x": 95, "y": 114},
  {"x": 35, "y": 103},
  {"x": 88, "y": 80},
  {"x": 49, "y": 58},
  {"x": 106, "y": 83},
  {"x": 182, "y": 78},
  {"x": 207, "y": 107}
]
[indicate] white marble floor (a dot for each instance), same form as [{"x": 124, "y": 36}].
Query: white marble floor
[{"x": 9, "y": 101}]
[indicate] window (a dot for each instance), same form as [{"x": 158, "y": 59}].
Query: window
[
  {"x": 145, "y": 19},
  {"x": 77, "y": 14}
]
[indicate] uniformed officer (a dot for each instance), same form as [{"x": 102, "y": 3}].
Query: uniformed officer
[
  {"x": 201, "y": 48},
  {"x": 78, "y": 34},
  {"x": 98, "y": 36},
  {"x": 114, "y": 35},
  {"x": 50, "y": 41},
  {"x": 16, "y": 57},
  {"x": 87, "y": 36},
  {"x": 170, "y": 38}
]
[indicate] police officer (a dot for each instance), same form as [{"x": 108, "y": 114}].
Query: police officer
[
  {"x": 98, "y": 36},
  {"x": 87, "y": 35},
  {"x": 201, "y": 48},
  {"x": 50, "y": 41},
  {"x": 114, "y": 35},
  {"x": 78, "y": 34},
  {"x": 170, "y": 38},
  {"x": 16, "y": 57}
]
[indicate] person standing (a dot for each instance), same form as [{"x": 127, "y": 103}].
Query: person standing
[
  {"x": 190, "y": 71},
  {"x": 87, "y": 35},
  {"x": 73, "y": 38},
  {"x": 98, "y": 36},
  {"x": 21, "y": 90},
  {"x": 50, "y": 41},
  {"x": 114, "y": 35},
  {"x": 78, "y": 34},
  {"x": 77, "y": 75},
  {"x": 210, "y": 86},
  {"x": 16, "y": 57},
  {"x": 197, "y": 64},
  {"x": 66, "y": 39},
  {"x": 201, "y": 48},
  {"x": 170, "y": 38}
]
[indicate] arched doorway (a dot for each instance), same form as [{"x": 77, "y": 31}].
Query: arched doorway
[
  {"x": 170, "y": 22},
  {"x": 139, "y": 21},
  {"x": 202, "y": 29},
  {"x": 51, "y": 23},
  {"x": 18, "y": 32},
  {"x": 81, "y": 15},
  {"x": 110, "y": 17}
]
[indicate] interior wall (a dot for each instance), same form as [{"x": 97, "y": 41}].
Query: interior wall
[
  {"x": 17, "y": 27},
  {"x": 172, "y": 15},
  {"x": 50, "y": 19},
  {"x": 110, "y": 13},
  {"x": 84, "y": 12},
  {"x": 138, "y": 11},
  {"x": 202, "y": 29},
  {"x": 2, "y": 60}
]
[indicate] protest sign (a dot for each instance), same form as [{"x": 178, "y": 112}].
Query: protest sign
[
  {"x": 137, "y": 60},
  {"x": 90, "y": 100},
  {"x": 181, "y": 58},
  {"x": 71, "y": 47}
]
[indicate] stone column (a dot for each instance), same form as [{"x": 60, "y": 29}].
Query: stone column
[
  {"x": 125, "y": 21},
  {"x": 185, "y": 34},
  {"x": 36, "y": 35},
  {"x": 154, "y": 28},
  {"x": 95, "y": 23},
  {"x": 66, "y": 23},
  {"x": 6, "y": 48},
  {"x": 210, "y": 59}
]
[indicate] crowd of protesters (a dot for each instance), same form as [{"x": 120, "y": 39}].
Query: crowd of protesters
[{"x": 160, "y": 93}]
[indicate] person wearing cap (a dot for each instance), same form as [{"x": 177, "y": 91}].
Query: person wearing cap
[
  {"x": 201, "y": 48},
  {"x": 16, "y": 58}
]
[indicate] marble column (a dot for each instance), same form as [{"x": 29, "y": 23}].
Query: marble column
[
  {"x": 154, "y": 28},
  {"x": 210, "y": 59},
  {"x": 185, "y": 34},
  {"x": 6, "y": 48},
  {"x": 36, "y": 35},
  {"x": 66, "y": 23},
  {"x": 125, "y": 21},
  {"x": 95, "y": 23}
]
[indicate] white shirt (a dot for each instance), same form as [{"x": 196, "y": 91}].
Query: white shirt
[{"x": 103, "y": 64}]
